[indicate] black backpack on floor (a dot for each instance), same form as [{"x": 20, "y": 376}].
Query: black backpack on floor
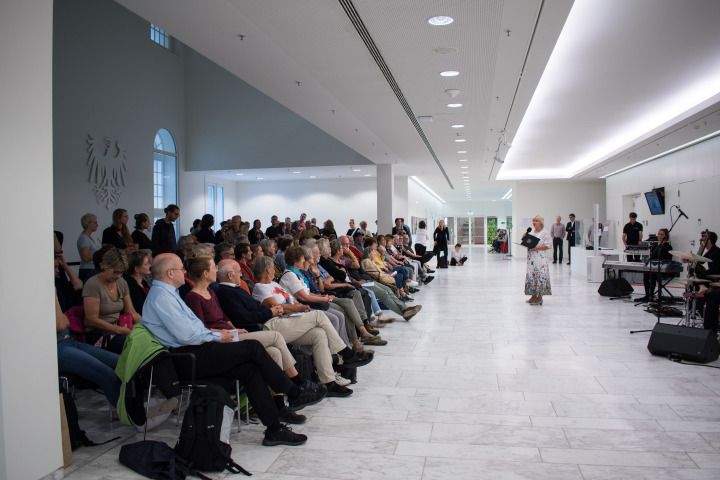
[
  {"x": 156, "y": 460},
  {"x": 205, "y": 436}
]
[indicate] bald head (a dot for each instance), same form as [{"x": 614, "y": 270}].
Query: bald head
[
  {"x": 228, "y": 270},
  {"x": 168, "y": 268}
]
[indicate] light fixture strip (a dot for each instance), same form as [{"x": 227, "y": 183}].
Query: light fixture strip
[
  {"x": 509, "y": 192},
  {"x": 665, "y": 153},
  {"x": 359, "y": 25},
  {"x": 428, "y": 189}
]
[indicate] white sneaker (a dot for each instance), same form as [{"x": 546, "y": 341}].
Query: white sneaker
[
  {"x": 412, "y": 283},
  {"x": 341, "y": 381}
]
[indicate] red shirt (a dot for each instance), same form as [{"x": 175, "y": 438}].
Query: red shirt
[{"x": 208, "y": 310}]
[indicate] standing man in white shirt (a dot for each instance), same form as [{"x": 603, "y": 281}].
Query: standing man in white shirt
[{"x": 557, "y": 232}]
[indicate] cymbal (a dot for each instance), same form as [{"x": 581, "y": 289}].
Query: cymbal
[
  {"x": 714, "y": 284},
  {"x": 689, "y": 256},
  {"x": 697, "y": 280}
]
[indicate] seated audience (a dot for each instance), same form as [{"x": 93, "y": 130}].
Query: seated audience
[
  {"x": 283, "y": 245},
  {"x": 87, "y": 246},
  {"x": 275, "y": 230},
  {"x": 185, "y": 246},
  {"x": 457, "y": 257},
  {"x": 204, "y": 303},
  {"x": 243, "y": 256},
  {"x": 269, "y": 249},
  {"x": 268, "y": 305},
  {"x": 85, "y": 361},
  {"x": 105, "y": 297},
  {"x": 175, "y": 325},
  {"x": 138, "y": 269},
  {"x": 224, "y": 251},
  {"x": 371, "y": 268}
]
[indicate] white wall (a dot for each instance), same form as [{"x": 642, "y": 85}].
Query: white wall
[
  {"x": 551, "y": 199},
  {"x": 29, "y": 409},
  {"x": 693, "y": 173},
  {"x": 337, "y": 200},
  {"x": 422, "y": 204}
]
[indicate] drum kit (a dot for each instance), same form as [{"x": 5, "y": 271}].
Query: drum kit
[{"x": 692, "y": 318}]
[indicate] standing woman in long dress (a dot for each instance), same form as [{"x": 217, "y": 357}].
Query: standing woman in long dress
[
  {"x": 537, "y": 278},
  {"x": 441, "y": 237}
]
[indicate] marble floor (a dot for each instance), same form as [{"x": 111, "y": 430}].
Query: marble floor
[{"x": 482, "y": 385}]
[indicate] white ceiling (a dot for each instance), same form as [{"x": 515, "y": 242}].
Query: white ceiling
[{"x": 625, "y": 74}]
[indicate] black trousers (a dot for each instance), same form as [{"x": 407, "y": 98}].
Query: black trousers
[
  {"x": 558, "y": 246},
  {"x": 246, "y": 361},
  {"x": 712, "y": 306},
  {"x": 571, "y": 243},
  {"x": 454, "y": 262}
]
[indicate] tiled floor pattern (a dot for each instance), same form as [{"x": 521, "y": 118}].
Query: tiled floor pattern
[{"x": 481, "y": 385}]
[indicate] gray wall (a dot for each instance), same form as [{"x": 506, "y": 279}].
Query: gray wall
[
  {"x": 109, "y": 79},
  {"x": 231, "y": 125}
]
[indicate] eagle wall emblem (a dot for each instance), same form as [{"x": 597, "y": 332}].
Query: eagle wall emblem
[{"x": 107, "y": 169}]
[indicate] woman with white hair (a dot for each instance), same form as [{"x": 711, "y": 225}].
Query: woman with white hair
[
  {"x": 87, "y": 246},
  {"x": 537, "y": 278}
]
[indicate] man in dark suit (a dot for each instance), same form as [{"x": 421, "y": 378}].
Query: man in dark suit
[{"x": 570, "y": 229}]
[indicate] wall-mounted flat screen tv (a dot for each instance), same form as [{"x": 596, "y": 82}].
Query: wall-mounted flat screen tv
[{"x": 656, "y": 201}]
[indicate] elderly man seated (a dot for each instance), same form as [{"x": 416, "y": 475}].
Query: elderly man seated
[
  {"x": 310, "y": 328},
  {"x": 175, "y": 325}
]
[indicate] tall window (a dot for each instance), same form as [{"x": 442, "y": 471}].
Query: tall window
[
  {"x": 159, "y": 36},
  {"x": 215, "y": 202},
  {"x": 164, "y": 173}
]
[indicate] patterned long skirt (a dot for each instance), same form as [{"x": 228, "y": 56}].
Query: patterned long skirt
[{"x": 537, "y": 278}]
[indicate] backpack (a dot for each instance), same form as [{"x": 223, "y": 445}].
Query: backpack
[
  {"x": 156, "y": 460},
  {"x": 204, "y": 442},
  {"x": 78, "y": 438}
]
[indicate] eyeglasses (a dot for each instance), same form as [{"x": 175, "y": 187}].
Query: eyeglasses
[{"x": 118, "y": 272}]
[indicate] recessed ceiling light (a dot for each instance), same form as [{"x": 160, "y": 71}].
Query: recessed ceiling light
[
  {"x": 454, "y": 105},
  {"x": 445, "y": 51},
  {"x": 462, "y": 151},
  {"x": 440, "y": 20},
  {"x": 355, "y": 169},
  {"x": 259, "y": 178},
  {"x": 459, "y": 139},
  {"x": 458, "y": 126},
  {"x": 463, "y": 160},
  {"x": 239, "y": 174},
  {"x": 312, "y": 176},
  {"x": 464, "y": 166},
  {"x": 296, "y": 172},
  {"x": 367, "y": 175},
  {"x": 449, "y": 73}
]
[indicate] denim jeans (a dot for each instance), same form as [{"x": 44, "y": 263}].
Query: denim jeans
[
  {"x": 91, "y": 363},
  {"x": 373, "y": 301}
]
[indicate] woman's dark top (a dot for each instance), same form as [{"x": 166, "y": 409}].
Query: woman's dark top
[
  {"x": 442, "y": 237},
  {"x": 141, "y": 240},
  {"x": 208, "y": 310},
  {"x": 661, "y": 251},
  {"x": 138, "y": 294},
  {"x": 111, "y": 236},
  {"x": 255, "y": 236},
  {"x": 205, "y": 236}
]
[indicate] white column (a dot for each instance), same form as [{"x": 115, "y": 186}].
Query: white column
[
  {"x": 30, "y": 445},
  {"x": 385, "y": 199},
  {"x": 400, "y": 208}
]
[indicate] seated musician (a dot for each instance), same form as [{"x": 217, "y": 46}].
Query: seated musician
[
  {"x": 660, "y": 252},
  {"x": 712, "y": 296}
]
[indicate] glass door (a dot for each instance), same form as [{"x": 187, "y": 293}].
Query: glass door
[
  {"x": 478, "y": 231},
  {"x": 463, "y": 231}
]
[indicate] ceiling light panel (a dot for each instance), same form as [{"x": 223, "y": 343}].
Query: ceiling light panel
[{"x": 440, "y": 20}]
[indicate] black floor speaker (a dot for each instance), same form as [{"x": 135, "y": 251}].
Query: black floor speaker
[
  {"x": 615, "y": 288},
  {"x": 691, "y": 344}
]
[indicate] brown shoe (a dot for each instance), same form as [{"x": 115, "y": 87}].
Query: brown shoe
[
  {"x": 385, "y": 320},
  {"x": 372, "y": 330},
  {"x": 375, "y": 341},
  {"x": 410, "y": 312}
]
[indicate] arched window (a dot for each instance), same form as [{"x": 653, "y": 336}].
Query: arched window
[{"x": 164, "y": 173}]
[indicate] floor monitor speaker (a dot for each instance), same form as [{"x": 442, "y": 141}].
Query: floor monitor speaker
[{"x": 692, "y": 344}]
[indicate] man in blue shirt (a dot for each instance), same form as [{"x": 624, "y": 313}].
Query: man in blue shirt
[{"x": 175, "y": 325}]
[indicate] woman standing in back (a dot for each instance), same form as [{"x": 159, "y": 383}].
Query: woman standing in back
[
  {"x": 441, "y": 237},
  {"x": 537, "y": 278},
  {"x": 87, "y": 246},
  {"x": 118, "y": 234}
]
